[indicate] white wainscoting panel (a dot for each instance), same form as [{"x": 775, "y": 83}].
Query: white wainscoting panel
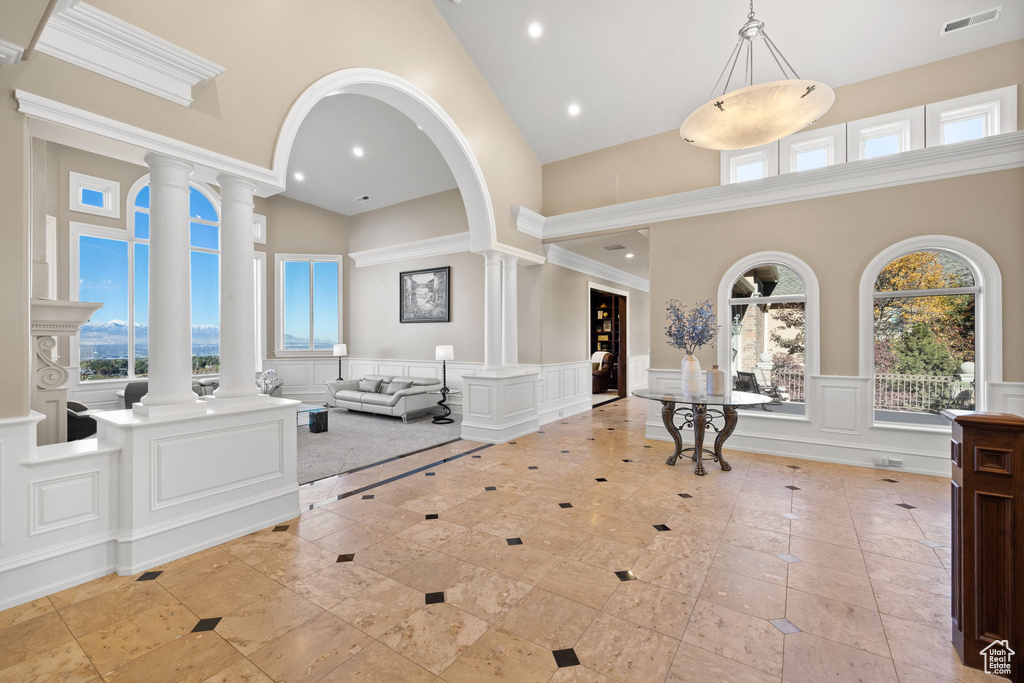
[
  {"x": 637, "y": 373},
  {"x": 64, "y": 501},
  {"x": 500, "y": 407},
  {"x": 563, "y": 389},
  {"x": 835, "y": 430},
  {"x": 1006, "y": 397}
]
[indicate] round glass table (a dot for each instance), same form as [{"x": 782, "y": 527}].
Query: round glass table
[{"x": 699, "y": 413}]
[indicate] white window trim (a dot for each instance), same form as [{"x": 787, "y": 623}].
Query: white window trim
[
  {"x": 732, "y": 158},
  {"x": 259, "y": 228},
  {"x": 812, "y": 333},
  {"x": 831, "y": 138},
  {"x": 908, "y": 123},
  {"x": 999, "y": 107},
  {"x": 279, "y": 261},
  {"x": 110, "y": 189},
  {"x": 260, "y": 285},
  {"x": 988, "y": 313}
]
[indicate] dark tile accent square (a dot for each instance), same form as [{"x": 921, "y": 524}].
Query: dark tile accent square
[
  {"x": 611, "y": 429},
  {"x": 281, "y": 527},
  {"x": 312, "y": 506},
  {"x": 533, "y": 467},
  {"x": 892, "y": 481},
  {"x": 206, "y": 625},
  {"x": 540, "y": 432},
  {"x": 477, "y": 456},
  {"x": 490, "y": 488},
  {"x": 905, "y": 506},
  {"x": 434, "y": 598},
  {"x": 648, "y": 446},
  {"x": 626, "y": 575},
  {"x": 793, "y": 488},
  {"x": 514, "y": 541},
  {"x": 785, "y": 625},
  {"x": 793, "y": 467},
  {"x": 346, "y": 558},
  {"x": 565, "y": 505},
  {"x": 565, "y": 451},
  {"x": 431, "y": 517},
  {"x": 368, "y": 496},
  {"x": 600, "y": 479},
  {"x": 590, "y": 438},
  {"x": 429, "y": 474},
  {"x": 661, "y": 527},
  {"x": 149, "y": 576},
  {"x": 564, "y": 658},
  {"x": 512, "y": 443},
  {"x": 627, "y": 460},
  {"x": 685, "y": 495}
]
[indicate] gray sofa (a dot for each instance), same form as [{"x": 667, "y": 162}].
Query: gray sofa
[{"x": 399, "y": 403}]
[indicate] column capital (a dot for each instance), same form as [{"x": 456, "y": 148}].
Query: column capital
[
  {"x": 155, "y": 160},
  {"x": 228, "y": 181},
  {"x": 509, "y": 261},
  {"x": 492, "y": 257}
]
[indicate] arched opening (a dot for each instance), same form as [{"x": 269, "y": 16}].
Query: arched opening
[{"x": 425, "y": 113}]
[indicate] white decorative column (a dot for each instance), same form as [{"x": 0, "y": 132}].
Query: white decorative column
[
  {"x": 170, "y": 315},
  {"x": 492, "y": 311},
  {"x": 237, "y": 300},
  {"x": 509, "y": 311}
]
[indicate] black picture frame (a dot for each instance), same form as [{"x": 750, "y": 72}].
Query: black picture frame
[{"x": 424, "y": 296}]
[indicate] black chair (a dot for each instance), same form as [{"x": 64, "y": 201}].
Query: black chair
[
  {"x": 134, "y": 391},
  {"x": 747, "y": 381},
  {"x": 80, "y": 425}
]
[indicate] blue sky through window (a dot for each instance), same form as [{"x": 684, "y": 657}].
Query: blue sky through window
[
  {"x": 92, "y": 198},
  {"x": 752, "y": 171},
  {"x": 881, "y": 146},
  {"x": 815, "y": 158},
  {"x": 103, "y": 276},
  {"x": 959, "y": 131},
  {"x": 296, "y": 305},
  {"x": 325, "y": 305}
]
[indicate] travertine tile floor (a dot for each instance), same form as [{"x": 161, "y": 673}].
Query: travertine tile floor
[{"x": 571, "y": 555}]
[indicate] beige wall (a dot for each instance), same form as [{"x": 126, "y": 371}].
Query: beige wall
[
  {"x": 434, "y": 215},
  {"x": 837, "y": 237},
  {"x": 272, "y": 53},
  {"x": 565, "y": 315},
  {"x": 663, "y": 164}
]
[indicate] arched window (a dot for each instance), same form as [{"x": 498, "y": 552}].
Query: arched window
[
  {"x": 925, "y": 336},
  {"x": 113, "y": 268},
  {"x": 768, "y": 339}
]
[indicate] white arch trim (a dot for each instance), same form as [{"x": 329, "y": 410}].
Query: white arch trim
[
  {"x": 812, "y": 329},
  {"x": 989, "y": 323},
  {"x": 426, "y": 113}
]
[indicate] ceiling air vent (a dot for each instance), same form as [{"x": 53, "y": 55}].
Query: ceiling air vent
[
  {"x": 613, "y": 247},
  {"x": 364, "y": 198},
  {"x": 973, "y": 20}
]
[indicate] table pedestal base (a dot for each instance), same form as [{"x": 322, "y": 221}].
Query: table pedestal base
[{"x": 700, "y": 418}]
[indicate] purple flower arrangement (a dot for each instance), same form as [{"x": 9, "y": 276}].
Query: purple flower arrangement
[{"x": 691, "y": 328}]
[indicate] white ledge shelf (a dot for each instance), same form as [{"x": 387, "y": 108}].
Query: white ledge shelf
[{"x": 994, "y": 153}]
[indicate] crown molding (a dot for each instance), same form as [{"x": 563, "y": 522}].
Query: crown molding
[
  {"x": 527, "y": 221},
  {"x": 994, "y": 153},
  {"x": 208, "y": 164},
  {"x": 560, "y": 256},
  {"x": 10, "y": 53},
  {"x": 92, "y": 39},
  {"x": 435, "y": 246}
]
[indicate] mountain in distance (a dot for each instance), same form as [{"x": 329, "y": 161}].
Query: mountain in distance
[{"x": 116, "y": 331}]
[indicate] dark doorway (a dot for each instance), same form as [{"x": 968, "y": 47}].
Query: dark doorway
[{"x": 608, "y": 348}]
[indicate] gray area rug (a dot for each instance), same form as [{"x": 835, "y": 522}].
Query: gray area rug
[{"x": 358, "y": 439}]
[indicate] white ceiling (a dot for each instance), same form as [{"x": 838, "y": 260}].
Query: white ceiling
[
  {"x": 399, "y": 162},
  {"x": 635, "y": 243},
  {"x": 638, "y": 67}
]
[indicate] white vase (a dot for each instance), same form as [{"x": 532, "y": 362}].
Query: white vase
[
  {"x": 716, "y": 381},
  {"x": 693, "y": 384}
]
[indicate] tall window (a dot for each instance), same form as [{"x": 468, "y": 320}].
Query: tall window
[
  {"x": 308, "y": 303},
  {"x": 925, "y": 337},
  {"x": 767, "y": 307},
  {"x": 113, "y": 268}
]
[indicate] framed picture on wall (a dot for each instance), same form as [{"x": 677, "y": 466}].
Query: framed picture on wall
[{"x": 424, "y": 295}]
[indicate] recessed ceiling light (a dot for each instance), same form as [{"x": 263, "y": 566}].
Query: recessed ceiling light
[
  {"x": 358, "y": 151},
  {"x": 629, "y": 255},
  {"x": 298, "y": 176},
  {"x": 535, "y": 30},
  {"x": 574, "y": 109}
]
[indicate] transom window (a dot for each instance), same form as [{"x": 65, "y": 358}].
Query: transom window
[
  {"x": 925, "y": 337},
  {"x": 767, "y": 308}
]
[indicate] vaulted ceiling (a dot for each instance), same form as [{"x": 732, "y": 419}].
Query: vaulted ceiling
[{"x": 637, "y": 68}]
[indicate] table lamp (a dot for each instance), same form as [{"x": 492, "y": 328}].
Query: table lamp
[
  {"x": 340, "y": 350},
  {"x": 444, "y": 354}
]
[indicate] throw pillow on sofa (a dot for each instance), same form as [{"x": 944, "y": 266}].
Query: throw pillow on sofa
[
  {"x": 395, "y": 387},
  {"x": 369, "y": 385}
]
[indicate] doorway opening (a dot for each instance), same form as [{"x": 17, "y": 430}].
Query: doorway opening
[{"x": 607, "y": 334}]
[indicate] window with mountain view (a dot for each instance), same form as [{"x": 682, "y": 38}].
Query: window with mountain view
[
  {"x": 113, "y": 268},
  {"x": 925, "y": 338},
  {"x": 308, "y": 301}
]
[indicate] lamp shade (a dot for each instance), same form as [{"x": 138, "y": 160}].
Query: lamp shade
[
  {"x": 444, "y": 353},
  {"x": 340, "y": 350}
]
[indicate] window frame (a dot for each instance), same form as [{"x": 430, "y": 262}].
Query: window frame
[
  {"x": 832, "y": 138},
  {"x": 998, "y": 107},
  {"x": 909, "y": 124},
  {"x": 732, "y": 158},
  {"x": 812, "y": 333},
  {"x": 110, "y": 189},
  {"x": 279, "y": 261},
  {"x": 987, "y": 290}
]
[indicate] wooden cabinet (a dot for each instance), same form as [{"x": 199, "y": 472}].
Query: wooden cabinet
[{"x": 987, "y": 491}]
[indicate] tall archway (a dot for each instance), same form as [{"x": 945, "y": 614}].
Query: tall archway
[{"x": 426, "y": 113}]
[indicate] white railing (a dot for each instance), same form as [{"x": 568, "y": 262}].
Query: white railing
[
  {"x": 792, "y": 381},
  {"x": 922, "y": 393}
]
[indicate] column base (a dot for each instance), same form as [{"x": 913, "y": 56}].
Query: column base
[
  {"x": 170, "y": 409},
  {"x": 221, "y": 403}
]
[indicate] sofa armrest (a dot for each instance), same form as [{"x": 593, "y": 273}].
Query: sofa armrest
[{"x": 334, "y": 386}]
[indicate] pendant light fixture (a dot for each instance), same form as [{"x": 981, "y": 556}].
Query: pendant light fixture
[{"x": 755, "y": 115}]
